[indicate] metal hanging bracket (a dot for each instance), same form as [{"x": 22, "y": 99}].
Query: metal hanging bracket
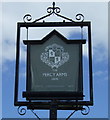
[{"x": 53, "y": 10}]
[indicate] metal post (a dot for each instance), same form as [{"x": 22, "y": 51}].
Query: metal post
[{"x": 53, "y": 110}]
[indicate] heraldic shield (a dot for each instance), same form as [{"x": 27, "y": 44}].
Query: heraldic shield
[{"x": 54, "y": 56}]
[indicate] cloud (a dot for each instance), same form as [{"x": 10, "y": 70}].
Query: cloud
[
  {"x": 100, "y": 53},
  {"x": 9, "y": 52},
  {"x": 101, "y": 75},
  {"x": 77, "y": 34}
]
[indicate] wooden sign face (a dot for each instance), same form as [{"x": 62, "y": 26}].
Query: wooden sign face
[{"x": 55, "y": 66}]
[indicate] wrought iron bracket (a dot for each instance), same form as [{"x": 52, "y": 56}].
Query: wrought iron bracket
[
  {"x": 22, "y": 111},
  {"x": 84, "y": 111},
  {"x": 53, "y": 10}
]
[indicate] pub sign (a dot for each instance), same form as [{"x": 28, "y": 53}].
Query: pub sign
[{"x": 54, "y": 67}]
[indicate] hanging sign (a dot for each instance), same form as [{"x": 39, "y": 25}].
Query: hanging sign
[{"x": 55, "y": 64}]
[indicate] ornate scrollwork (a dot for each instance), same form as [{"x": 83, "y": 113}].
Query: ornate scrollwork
[
  {"x": 27, "y": 18},
  {"x": 21, "y": 110},
  {"x": 85, "y": 110},
  {"x": 80, "y": 17},
  {"x": 53, "y": 9}
]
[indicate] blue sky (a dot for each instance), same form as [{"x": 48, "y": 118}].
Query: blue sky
[{"x": 96, "y": 12}]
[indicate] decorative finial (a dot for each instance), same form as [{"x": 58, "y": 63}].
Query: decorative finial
[
  {"x": 53, "y": 9},
  {"x": 53, "y": 4}
]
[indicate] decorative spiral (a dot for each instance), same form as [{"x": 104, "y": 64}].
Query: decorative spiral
[
  {"x": 53, "y": 9},
  {"x": 57, "y": 10},
  {"x": 49, "y": 10},
  {"x": 80, "y": 17},
  {"x": 27, "y": 18},
  {"x": 85, "y": 110},
  {"x": 21, "y": 110}
]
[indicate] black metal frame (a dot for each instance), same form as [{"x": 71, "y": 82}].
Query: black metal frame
[
  {"x": 53, "y": 24},
  {"x": 61, "y": 105}
]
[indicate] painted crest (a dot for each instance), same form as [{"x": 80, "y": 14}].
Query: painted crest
[{"x": 54, "y": 56}]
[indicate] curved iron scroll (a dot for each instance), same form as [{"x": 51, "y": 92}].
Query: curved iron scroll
[
  {"x": 27, "y": 18},
  {"x": 50, "y": 11},
  {"x": 21, "y": 110},
  {"x": 80, "y": 17},
  {"x": 85, "y": 110}
]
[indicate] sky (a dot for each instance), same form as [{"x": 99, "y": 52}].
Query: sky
[{"x": 96, "y": 12}]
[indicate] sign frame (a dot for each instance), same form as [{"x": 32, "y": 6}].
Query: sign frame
[
  {"x": 54, "y": 104},
  {"x": 48, "y": 95},
  {"x": 53, "y": 24}
]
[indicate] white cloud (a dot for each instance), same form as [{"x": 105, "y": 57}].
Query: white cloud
[
  {"x": 99, "y": 73},
  {"x": 100, "y": 53},
  {"x": 8, "y": 51},
  {"x": 103, "y": 74}
]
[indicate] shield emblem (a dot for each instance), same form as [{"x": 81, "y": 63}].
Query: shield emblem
[{"x": 54, "y": 56}]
